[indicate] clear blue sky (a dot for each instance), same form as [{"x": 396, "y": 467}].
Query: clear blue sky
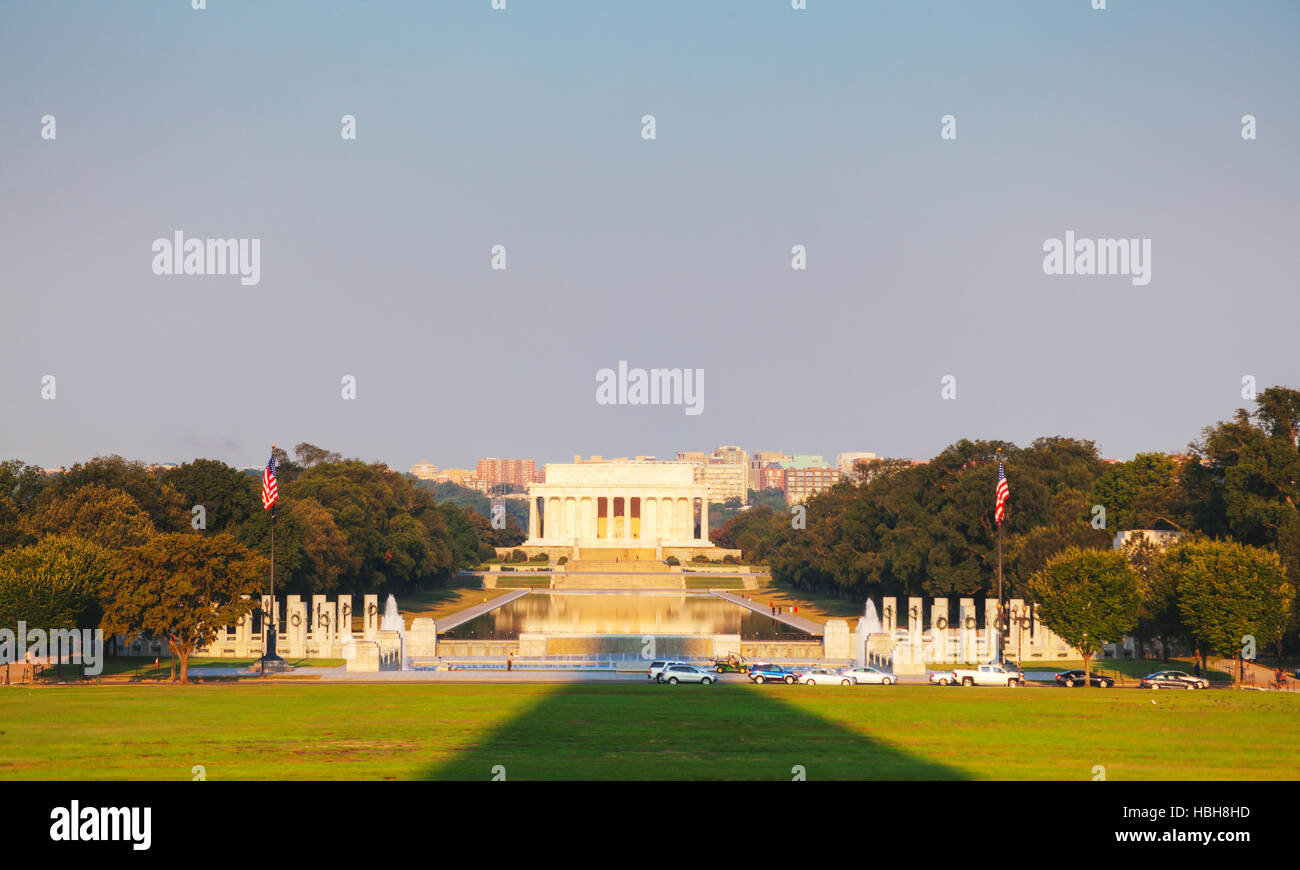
[{"x": 522, "y": 128}]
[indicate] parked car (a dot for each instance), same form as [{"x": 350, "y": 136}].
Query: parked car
[
  {"x": 824, "y": 676},
  {"x": 1075, "y": 678},
  {"x": 942, "y": 678},
  {"x": 656, "y": 669},
  {"x": 988, "y": 675},
  {"x": 1173, "y": 680},
  {"x": 770, "y": 674},
  {"x": 869, "y": 676},
  {"x": 674, "y": 674}
]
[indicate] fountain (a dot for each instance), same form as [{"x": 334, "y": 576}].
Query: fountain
[
  {"x": 392, "y": 621},
  {"x": 868, "y": 625}
]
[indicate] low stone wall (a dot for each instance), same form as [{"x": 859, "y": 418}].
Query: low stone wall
[
  {"x": 801, "y": 650},
  {"x": 460, "y": 649}
]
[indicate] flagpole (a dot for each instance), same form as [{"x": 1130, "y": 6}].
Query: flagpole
[
  {"x": 1001, "y": 618},
  {"x": 269, "y": 627}
]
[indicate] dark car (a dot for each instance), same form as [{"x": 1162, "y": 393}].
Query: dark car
[
  {"x": 1173, "y": 680},
  {"x": 771, "y": 674},
  {"x": 1076, "y": 678}
]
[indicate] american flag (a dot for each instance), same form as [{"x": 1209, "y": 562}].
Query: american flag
[
  {"x": 1003, "y": 493},
  {"x": 269, "y": 492}
]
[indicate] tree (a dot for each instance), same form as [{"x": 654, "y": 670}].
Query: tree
[
  {"x": 1244, "y": 481},
  {"x": 1228, "y": 592},
  {"x": 309, "y": 455},
  {"x": 164, "y": 505},
  {"x": 183, "y": 587},
  {"x": 11, "y": 529},
  {"x": 107, "y": 517},
  {"x": 21, "y": 483},
  {"x": 1088, "y": 597},
  {"x": 1145, "y": 493},
  {"x": 1158, "y": 614},
  {"x": 753, "y": 532},
  {"x": 53, "y": 584},
  {"x": 228, "y": 496}
]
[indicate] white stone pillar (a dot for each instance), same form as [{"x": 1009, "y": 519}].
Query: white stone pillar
[
  {"x": 534, "y": 527},
  {"x": 704, "y": 518},
  {"x": 609, "y": 516},
  {"x": 370, "y": 609}
]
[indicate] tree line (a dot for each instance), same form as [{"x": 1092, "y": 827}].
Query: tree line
[
  {"x": 928, "y": 530},
  {"x": 172, "y": 551}
]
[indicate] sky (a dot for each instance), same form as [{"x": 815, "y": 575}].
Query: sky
[{"x": 524, "y": 128}]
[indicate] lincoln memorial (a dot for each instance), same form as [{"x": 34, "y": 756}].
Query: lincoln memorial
[{"x": 620, "y": 508}]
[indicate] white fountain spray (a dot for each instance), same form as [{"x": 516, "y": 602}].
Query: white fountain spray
[
  {"x": 393, "y": 621},
  {"x": 868, "y": 625}
]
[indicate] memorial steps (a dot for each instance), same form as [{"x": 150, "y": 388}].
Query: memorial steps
[{"x": 618, "y": 573}]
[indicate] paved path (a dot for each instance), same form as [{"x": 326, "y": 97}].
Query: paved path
[
  {"x": 788, "y": 618},
  {"x": 460, "y": 617}
]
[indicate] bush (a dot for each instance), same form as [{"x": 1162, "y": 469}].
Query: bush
[
  {"x": 518, "y": 556},
  {"x": 702, "y": 559},
  {"x": 672, "y": 560},
  {"x": 730, "y": 560},
  {"x": 563, "y": 560}
]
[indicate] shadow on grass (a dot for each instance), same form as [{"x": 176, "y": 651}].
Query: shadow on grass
[{"x": 594, "y": 731}]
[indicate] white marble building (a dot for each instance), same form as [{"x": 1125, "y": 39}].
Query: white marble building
[{"x": 619, "y": 505}]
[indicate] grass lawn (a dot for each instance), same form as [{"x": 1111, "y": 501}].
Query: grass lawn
[
  {"x": 507, "y": 582},
  {"x": 1131, "y": 670},
  {"x": 698, "y": 582},
  {"x": 142, "y": 667},
  {"x": 634, "y": 731},
  {"x": 438, "y": 603},
  {"x": 811, "y": 605}
]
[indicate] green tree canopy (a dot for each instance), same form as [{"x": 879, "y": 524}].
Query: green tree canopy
[
  {"x": 107, "y": 517},
  {"x": 181, "y": 586},
  {"x": 52, "y": 584},
  {"x": 1088, "y": 597},
  {"x": 1227, "y": 592},
  {"x": 164, "y": 505},
  {"x": 228, "y": 495}
]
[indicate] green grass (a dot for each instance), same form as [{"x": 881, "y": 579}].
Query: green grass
[
  {"x": 523, "y": 583},
  {"x": 698, "y": 582},
  {"x": 142, "y": 666},
  {"x": 1131, "y": 670},
  {"x": 634, "y": 731}
]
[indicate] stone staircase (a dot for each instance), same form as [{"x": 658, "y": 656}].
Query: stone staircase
[{"x": 618, "y": 573}]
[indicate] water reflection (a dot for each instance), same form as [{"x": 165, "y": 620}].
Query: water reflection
[{"x": 623, "y": 613}]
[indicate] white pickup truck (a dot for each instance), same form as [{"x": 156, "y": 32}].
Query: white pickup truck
[{"x": 988, "y": 675}]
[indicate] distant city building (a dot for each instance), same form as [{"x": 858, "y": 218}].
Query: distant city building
[
  {"x": 724, "y": 480},
  {"x": 803, "y": 477},
  {"x": 730, "y": 454},
  {"x": 771, "y": 476},
  {"x": 461, "y": 477},
  {"x": 847, "y": 462},
  {"x": 760, "y": 460},
  {"x": 493, "y": 471},
  {"x": 724, "y": 472},
  {"x": 1158, "y": 537},
  {"x": 425, "y": 471}
]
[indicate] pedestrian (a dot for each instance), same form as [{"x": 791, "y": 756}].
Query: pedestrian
[
  {"x": 510, "y": 662},
  {"x": 1198, "y": 668}
]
